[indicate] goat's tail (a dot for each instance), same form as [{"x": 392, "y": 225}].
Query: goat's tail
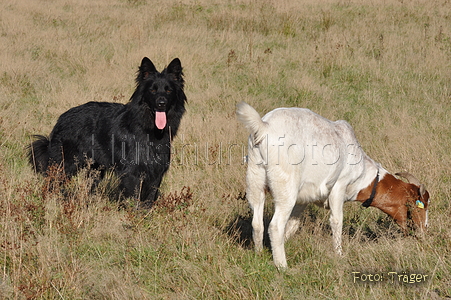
[
  {"x": 38, "y": 153},
  {"x": 247, "y": 115}
]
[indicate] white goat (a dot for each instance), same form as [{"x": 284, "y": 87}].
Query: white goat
[{"x": 304, "y": 158}]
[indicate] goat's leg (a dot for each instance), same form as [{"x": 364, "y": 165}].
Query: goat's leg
[
  {"x": 255, "y": 194},
  {"x": 284, "y": 201},
  {"x": 294, "y": 221},
  {"x": 336, "y": 216}
]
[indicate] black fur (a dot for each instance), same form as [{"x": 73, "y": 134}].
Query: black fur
[{"x": 121, "y": 137}]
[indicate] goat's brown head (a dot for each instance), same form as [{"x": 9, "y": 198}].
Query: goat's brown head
[{"x": 417, "y": 202}]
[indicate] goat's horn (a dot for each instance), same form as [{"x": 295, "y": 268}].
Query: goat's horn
[{"x": 412, "y": 179}]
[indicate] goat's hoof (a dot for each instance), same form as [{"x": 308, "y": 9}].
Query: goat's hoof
[{"x": 282, "y": 267}]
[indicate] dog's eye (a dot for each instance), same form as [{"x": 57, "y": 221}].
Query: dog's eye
[
  {"x": 168, "y": 91},
  {"x": 153, "y": 91}
]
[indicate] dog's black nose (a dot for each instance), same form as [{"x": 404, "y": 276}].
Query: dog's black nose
[{"x": 161, "y": 103}]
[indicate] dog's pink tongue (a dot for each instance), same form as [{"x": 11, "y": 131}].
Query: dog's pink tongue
[{"x": 160, "y": 119}]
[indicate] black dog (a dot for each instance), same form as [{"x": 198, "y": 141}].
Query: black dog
[{"x": 133, "y": 140}]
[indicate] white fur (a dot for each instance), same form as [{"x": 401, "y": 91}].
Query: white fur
[{"x": 303, "y": 158}]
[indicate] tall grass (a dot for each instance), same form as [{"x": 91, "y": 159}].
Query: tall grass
[{"x": 384, "y": 66}]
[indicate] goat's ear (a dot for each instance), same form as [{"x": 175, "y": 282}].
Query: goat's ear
[
  {"x": 175, "y": 68},
  {"x": 422, "y": 190},
  {"x": 146, "y": 69}
]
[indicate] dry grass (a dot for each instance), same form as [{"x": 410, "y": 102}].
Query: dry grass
[{"x": 384, "y": 66}]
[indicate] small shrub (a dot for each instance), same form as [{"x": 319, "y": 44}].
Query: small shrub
[{"x": 176, "y": 201}]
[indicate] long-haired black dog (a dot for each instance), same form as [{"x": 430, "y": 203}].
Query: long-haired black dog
[{"x": 133, "y": 139}]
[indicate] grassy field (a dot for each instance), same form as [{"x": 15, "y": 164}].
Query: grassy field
[{"x": 384, "y": 66}]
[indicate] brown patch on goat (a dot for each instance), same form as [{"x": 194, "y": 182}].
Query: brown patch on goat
[{"x": 398, "y": 199}]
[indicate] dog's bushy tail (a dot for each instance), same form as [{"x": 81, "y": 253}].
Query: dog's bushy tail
[
  {"x": 247, "y": 115},
  {"x": 38, "y": 153}
]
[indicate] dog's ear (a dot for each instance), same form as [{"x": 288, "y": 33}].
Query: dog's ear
[
  {"x": 146, "y": 69},
  {"x": 175, "y": 68}
]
